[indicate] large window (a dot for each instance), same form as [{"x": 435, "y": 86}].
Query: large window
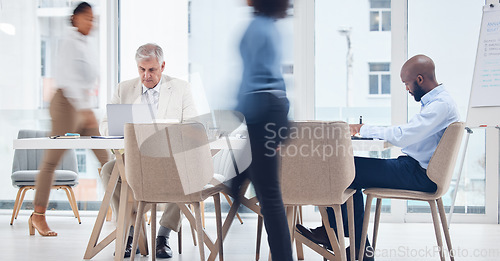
[
  {"x": 456, "y": 76},
  {"x": 29, "y": 35}
]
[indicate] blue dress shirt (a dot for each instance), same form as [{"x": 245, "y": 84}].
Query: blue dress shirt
[{"x": 421, "y": 135}]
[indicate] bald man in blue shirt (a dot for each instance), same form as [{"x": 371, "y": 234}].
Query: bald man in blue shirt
[{"x": 418, "y": 139}]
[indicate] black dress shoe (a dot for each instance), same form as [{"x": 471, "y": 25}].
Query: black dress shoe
[
  {"x": 128, "y": 248},
  {"x": 317, "y": 235},
  {"x": 163, "y": 250}
]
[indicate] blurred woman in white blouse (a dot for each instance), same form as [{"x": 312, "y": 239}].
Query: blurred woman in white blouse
[{"x": 70, "y": 107}]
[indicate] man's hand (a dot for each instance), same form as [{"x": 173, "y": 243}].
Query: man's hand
[{"x": 355, "y": 128}]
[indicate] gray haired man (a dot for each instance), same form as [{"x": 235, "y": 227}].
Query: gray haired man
[{"x": 170, "y": 99}]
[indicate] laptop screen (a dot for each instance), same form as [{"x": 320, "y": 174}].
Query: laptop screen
[{"x": 119, "y": 114}]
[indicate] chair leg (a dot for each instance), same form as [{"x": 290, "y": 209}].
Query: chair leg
[
  {"x": 202, "y": 208},
  {"x": 72, "y": 199},
  {"x": 218, "y": 218},
  {"x": 376, "y": 223},
  {"x": 193, "y": 232},
  {"x": 75, "y": 204},
  {"x": 350, "y": 223},
  {"x": 137, "y": 230},
  {"x": 16, "y": 203},
  {"x": 290, "y": 218},
  {"x": 334, "y": 240},
  {"x": 153, "y": 231},
  {"x": 143, "y": 239},
  {"x": 26, "y": 188},
  {"x": 109, "y": 214},
  {"x": 146, "y": 218},
  {"x": 366, "y": 220},
  {"x": 199, "y": 229},
  {"x": 179, "y": 240},
  {"x": 340, "y": 231},
  {"x": 298, "y": 245},
  {"x": 230, "y": 202},
  {"x": 446, "y": 230},
  {"x": 260, "y": 221},
  {"x": 435, "y": 220}
]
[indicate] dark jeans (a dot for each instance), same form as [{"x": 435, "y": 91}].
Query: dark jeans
[
  {"x": 401, "y": 173},
  {"x": 263, "y": 171}
]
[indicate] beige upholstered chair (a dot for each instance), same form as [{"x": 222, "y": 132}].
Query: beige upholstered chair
[
  {"x": 440, "y": 171},
  {"x": 320, "y": 178},
  {"x": 171, "y": 163}
]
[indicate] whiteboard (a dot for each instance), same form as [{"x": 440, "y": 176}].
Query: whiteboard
[{"x": 484, "y": 103}]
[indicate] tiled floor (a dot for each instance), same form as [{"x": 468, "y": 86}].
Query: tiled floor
[{"x": 396, "y": 241}]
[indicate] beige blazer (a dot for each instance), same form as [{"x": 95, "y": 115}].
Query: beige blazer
[{"x": 175, "y": 102}]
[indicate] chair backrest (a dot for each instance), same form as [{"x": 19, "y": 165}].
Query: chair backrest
[
  {"x": 31, "y": 159},
  {"x": 167, "y": 162},
  {"x": 317, "y": 163},
  {"x": 442, "y": 163}
]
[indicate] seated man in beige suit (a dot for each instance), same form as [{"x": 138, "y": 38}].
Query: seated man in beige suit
[{"x": 171, "y": 99}]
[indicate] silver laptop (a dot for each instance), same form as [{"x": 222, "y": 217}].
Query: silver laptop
[{"x": 119, "y": 114}]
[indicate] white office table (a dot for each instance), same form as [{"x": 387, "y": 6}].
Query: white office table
[
  {"x": 126, "y": 198},
  {"x": 89, "y": 143}
]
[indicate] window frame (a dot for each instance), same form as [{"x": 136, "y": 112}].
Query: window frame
[
  {"x": 305, "y": 107},
  {"x": 380, "y": 11},
  {"x": 379, "y": 75}
]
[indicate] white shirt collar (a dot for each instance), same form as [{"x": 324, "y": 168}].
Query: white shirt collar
[{"x": 156, "y": 88}]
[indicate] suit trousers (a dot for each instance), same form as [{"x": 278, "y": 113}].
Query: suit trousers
[
  {"x": 401, "y": 173},
  {"x": 65, "y": 118},
  {"x": 263, "y": 171},
  {"x": 171, "y": 217}
]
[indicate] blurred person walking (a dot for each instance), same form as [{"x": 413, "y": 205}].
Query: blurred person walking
[
  {"x": 262, "y": 100},
  {"x": 70, "y": 107}
]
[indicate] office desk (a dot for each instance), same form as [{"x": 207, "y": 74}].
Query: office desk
[
  {"x": 370, "y": 145},
  {"x": 126, "y": 197},
  {"x": 89, "y": 143}
]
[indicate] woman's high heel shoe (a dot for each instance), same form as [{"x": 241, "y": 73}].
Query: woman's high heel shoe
[{"x": 32, "y": 227}]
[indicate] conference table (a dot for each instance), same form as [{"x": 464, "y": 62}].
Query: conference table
[{"x": 126, "y": 197}]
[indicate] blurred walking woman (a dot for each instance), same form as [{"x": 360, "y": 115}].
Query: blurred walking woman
[
  {"x": 70, "y": 108},
  {"x": 262, "y": 100}
]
